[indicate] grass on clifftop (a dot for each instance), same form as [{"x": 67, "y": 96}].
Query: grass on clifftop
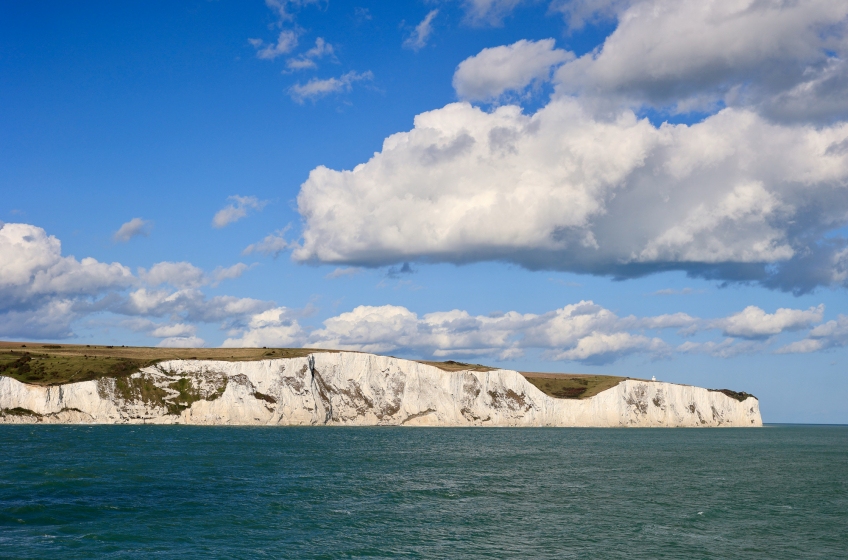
[
  {"x": 572, "y": 385},
  {"x": 450, "y": 365},
  {"x": 54, "y": 364},
  {"x": 557, "y": 385}
]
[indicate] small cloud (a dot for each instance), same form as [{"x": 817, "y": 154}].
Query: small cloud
[
  {"x": 832, "y": 334},
  {"x": 801, "y": 347},
  {"x": 300, "y": 63},
  {"x": 133, "y": 228},
  {"x": 220, "y": 273},
  {"x": 341, "y": 272},
  {"x": 272, "y": 245},
  {"x": 307, "y": 59},
  {"x": 181, "y": 330},
  {"x": 497, "y": 71},
  {"x": 237, "y": 210},
  {"x": 182, "y": 342},
  {"x": 178, "y": 274},
  {"x": 315, "y": 88},
  {"x": 286, "y": 42},
  {"x": 753, "y": 323},
  {"x": 419, "y": 37}
]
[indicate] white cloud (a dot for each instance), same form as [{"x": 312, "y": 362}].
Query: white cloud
[
  {"x": 182, "y": 342},
  {"x": 50, "y": 320},
  {"x": 690, "y": 54},
  {"x": 237, "y": 209},
  {"x": 610, "y": 346},
  {"x": 748, "y": 193},
  {"x": 275, "y": 327},
  {"x": 133, "y": 228},
  {"x": 315, "y": 88},
  {"x": 42, "y": 293},
  {"x": 186, "y": 275},
  {"x": 727, "y": 348},
  {"x": 419, "y": 37},
  {"x": 668, "y": 321},
  {"x": 832, "y": 334},
  {"x": 177, "y": 274},
  {"x": 189, "y": 305},
  {"x": 271, "y": 245},
  {"x": 307, "y": 59},
  {"x": 174, "y": 330},
  {"x": 753, "y": 322},
  {"x": 229, "y": 273},
  {"x": 159, "y": 330},
  {"x": 580, "y": 332},
  {"x": 494, "y": 71},
  {"x": 563, "y": 190},
  {"x": 369, "y": 329},
  {"x": 33, "y": 270},
  {"x": 286, "y": 42}
]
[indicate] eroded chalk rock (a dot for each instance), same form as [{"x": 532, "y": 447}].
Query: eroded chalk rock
[{"x": 346, "y": 388}]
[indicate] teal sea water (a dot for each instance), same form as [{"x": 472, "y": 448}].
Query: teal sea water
[{"x": 200, "y": 492}]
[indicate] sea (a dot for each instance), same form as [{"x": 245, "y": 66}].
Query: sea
[{"x": 330, "y": 492}]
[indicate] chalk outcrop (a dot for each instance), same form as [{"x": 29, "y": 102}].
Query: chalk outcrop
[{"x": 356, "y": 389}]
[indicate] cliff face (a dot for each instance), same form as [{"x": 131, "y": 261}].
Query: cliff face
[{"x": 357, "y": 389}]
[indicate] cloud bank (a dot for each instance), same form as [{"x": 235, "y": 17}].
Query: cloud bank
[
  {"x": 582, "y": 332},
  {"x": 43, "y": 293}
]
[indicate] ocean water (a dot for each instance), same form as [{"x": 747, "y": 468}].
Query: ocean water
[{"x": 201, "y": 492}]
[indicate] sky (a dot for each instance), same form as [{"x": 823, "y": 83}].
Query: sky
[{"x": 638, "y": 188}]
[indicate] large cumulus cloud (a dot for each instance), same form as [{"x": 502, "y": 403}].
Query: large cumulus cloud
[
  {"x": 749, "y": 192},
  {"x": 32, "y": 268},
  {"x": 562, "y": 189}
]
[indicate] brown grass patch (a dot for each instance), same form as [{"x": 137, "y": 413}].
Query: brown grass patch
[{"x": 571, "y": 385}]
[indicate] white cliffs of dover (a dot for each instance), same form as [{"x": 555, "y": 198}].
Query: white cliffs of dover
[{"x": 354, "y": 389}]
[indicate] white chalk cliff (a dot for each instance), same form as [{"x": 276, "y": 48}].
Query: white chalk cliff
[{"x": 345, "y": 388}]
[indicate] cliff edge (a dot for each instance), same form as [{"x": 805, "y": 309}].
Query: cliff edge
[{"x": 346, "y": 388}]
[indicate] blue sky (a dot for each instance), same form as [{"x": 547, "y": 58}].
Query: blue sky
[{"x": 609, "y": 186}]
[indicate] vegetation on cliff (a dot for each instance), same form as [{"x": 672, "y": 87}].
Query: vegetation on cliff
[{"x": 53, "y": 364}]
